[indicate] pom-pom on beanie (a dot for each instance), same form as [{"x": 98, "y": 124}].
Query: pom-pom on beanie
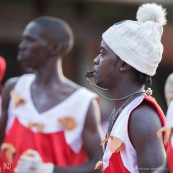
[{"x": 138, "y": 43}]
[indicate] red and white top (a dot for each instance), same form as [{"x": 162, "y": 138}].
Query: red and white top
[
  {"x": 54, "y": 143},
  {"x": 125, "y": 161}
]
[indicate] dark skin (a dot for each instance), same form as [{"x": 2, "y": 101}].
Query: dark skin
[
  {"x": 42, "y": 52},
  {"x": 163, "y": 169},
  {"x": 112, "y": 73}
]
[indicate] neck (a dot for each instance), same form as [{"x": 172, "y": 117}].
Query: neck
[
  {"x": 118, "y": 97},
  {"x": 124, "y": 92},
  {"x": 127, "y": 98},
  {"x": 50, "y": 72}
]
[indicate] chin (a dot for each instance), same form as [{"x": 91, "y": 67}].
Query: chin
[
  {"x": 99, "y": 83},
  {"x": 26, "y": 66}
]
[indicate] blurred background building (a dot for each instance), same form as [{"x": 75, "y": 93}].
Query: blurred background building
[{"x": 88, "y": 19}]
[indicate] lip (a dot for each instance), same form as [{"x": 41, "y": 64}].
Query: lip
[
  {"x": 20, "y": 57},
  {"x": 94, "y": 72},
  {"x": 22, "y": 60}
]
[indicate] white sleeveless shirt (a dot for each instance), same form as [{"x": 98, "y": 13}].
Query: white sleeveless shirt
[
  {"x": 120, "y": 130},
  {"x": 75, "y": 106}
]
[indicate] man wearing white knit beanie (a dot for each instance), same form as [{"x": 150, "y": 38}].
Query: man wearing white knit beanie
[{"x": 130, "y": 52}]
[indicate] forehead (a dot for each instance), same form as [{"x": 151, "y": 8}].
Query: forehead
[
  {"x": 33, "y": 29},
  {"x": 104, "y": 46}
]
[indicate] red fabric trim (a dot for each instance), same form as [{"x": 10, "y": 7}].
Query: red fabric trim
[
  {"x": 170, "y": 156},
  {"x": 52, "y": 147},
  {"x": 116, "y": 165},
  {"x": 159, "y": 110}
]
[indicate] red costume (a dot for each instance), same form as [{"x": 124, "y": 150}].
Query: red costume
[{"x": 125, "y": 161}]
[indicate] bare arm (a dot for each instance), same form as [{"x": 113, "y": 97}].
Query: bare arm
[
  {"x": 163, "y": 169},
  {"x": 143, "y": 125},
  {"x": 9, "y": 85},
  {"x": 92, "y": 137}
]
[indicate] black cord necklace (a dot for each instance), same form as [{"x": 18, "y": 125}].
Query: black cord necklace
[
  {"x": 148, "y": 91},
  {"x": 114, "y": 116}
]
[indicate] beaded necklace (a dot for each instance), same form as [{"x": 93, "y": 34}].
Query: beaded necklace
[{"x": 114, "y": 116}]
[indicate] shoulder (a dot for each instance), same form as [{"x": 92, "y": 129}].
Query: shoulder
[
  {"x": 10, "y": 83},
  {"x": 8, "y": 86},
  {"x": 87, "y": 91},
  {"x": 26, "y": 77},
  {"x": 146, "y": 114},
  {"x": 93, "y": 116},
  {"x": 83, "y": 92},
  {"x": 144, "y": 121}
]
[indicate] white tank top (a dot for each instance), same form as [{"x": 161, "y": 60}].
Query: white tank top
[
  {"x": 120, "y": 130},
  {"x": 75, "y": 106}
]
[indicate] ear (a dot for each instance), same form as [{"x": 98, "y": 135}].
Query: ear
[
  {"x": 56, "y": 49},
  {"x": 124, "y": 66}
]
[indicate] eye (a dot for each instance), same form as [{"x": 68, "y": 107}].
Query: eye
[
  {"x": 101, "y": 52},
  {"x": 29, "y": 39}
]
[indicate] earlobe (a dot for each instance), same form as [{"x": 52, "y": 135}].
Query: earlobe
[{"x": 125, "y": 67}]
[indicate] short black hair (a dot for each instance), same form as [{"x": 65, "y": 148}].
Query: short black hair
[
  {"x": 143, "y": 78},
  {"x": 58, "y": 28}
]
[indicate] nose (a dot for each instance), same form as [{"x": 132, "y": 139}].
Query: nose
[
  {"x": 22, "y": 45},
  {"x": 96, "y": 60}
]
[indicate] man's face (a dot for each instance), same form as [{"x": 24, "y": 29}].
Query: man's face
[
  {"x": 105, "y": 65},
  {"x": 33, "y": 49}
]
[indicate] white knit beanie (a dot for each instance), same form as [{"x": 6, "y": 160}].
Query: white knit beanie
[{"x": 138, "y": 43}]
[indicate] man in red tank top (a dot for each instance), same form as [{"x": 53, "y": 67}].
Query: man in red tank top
[{"x": 130, "y": 52}]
